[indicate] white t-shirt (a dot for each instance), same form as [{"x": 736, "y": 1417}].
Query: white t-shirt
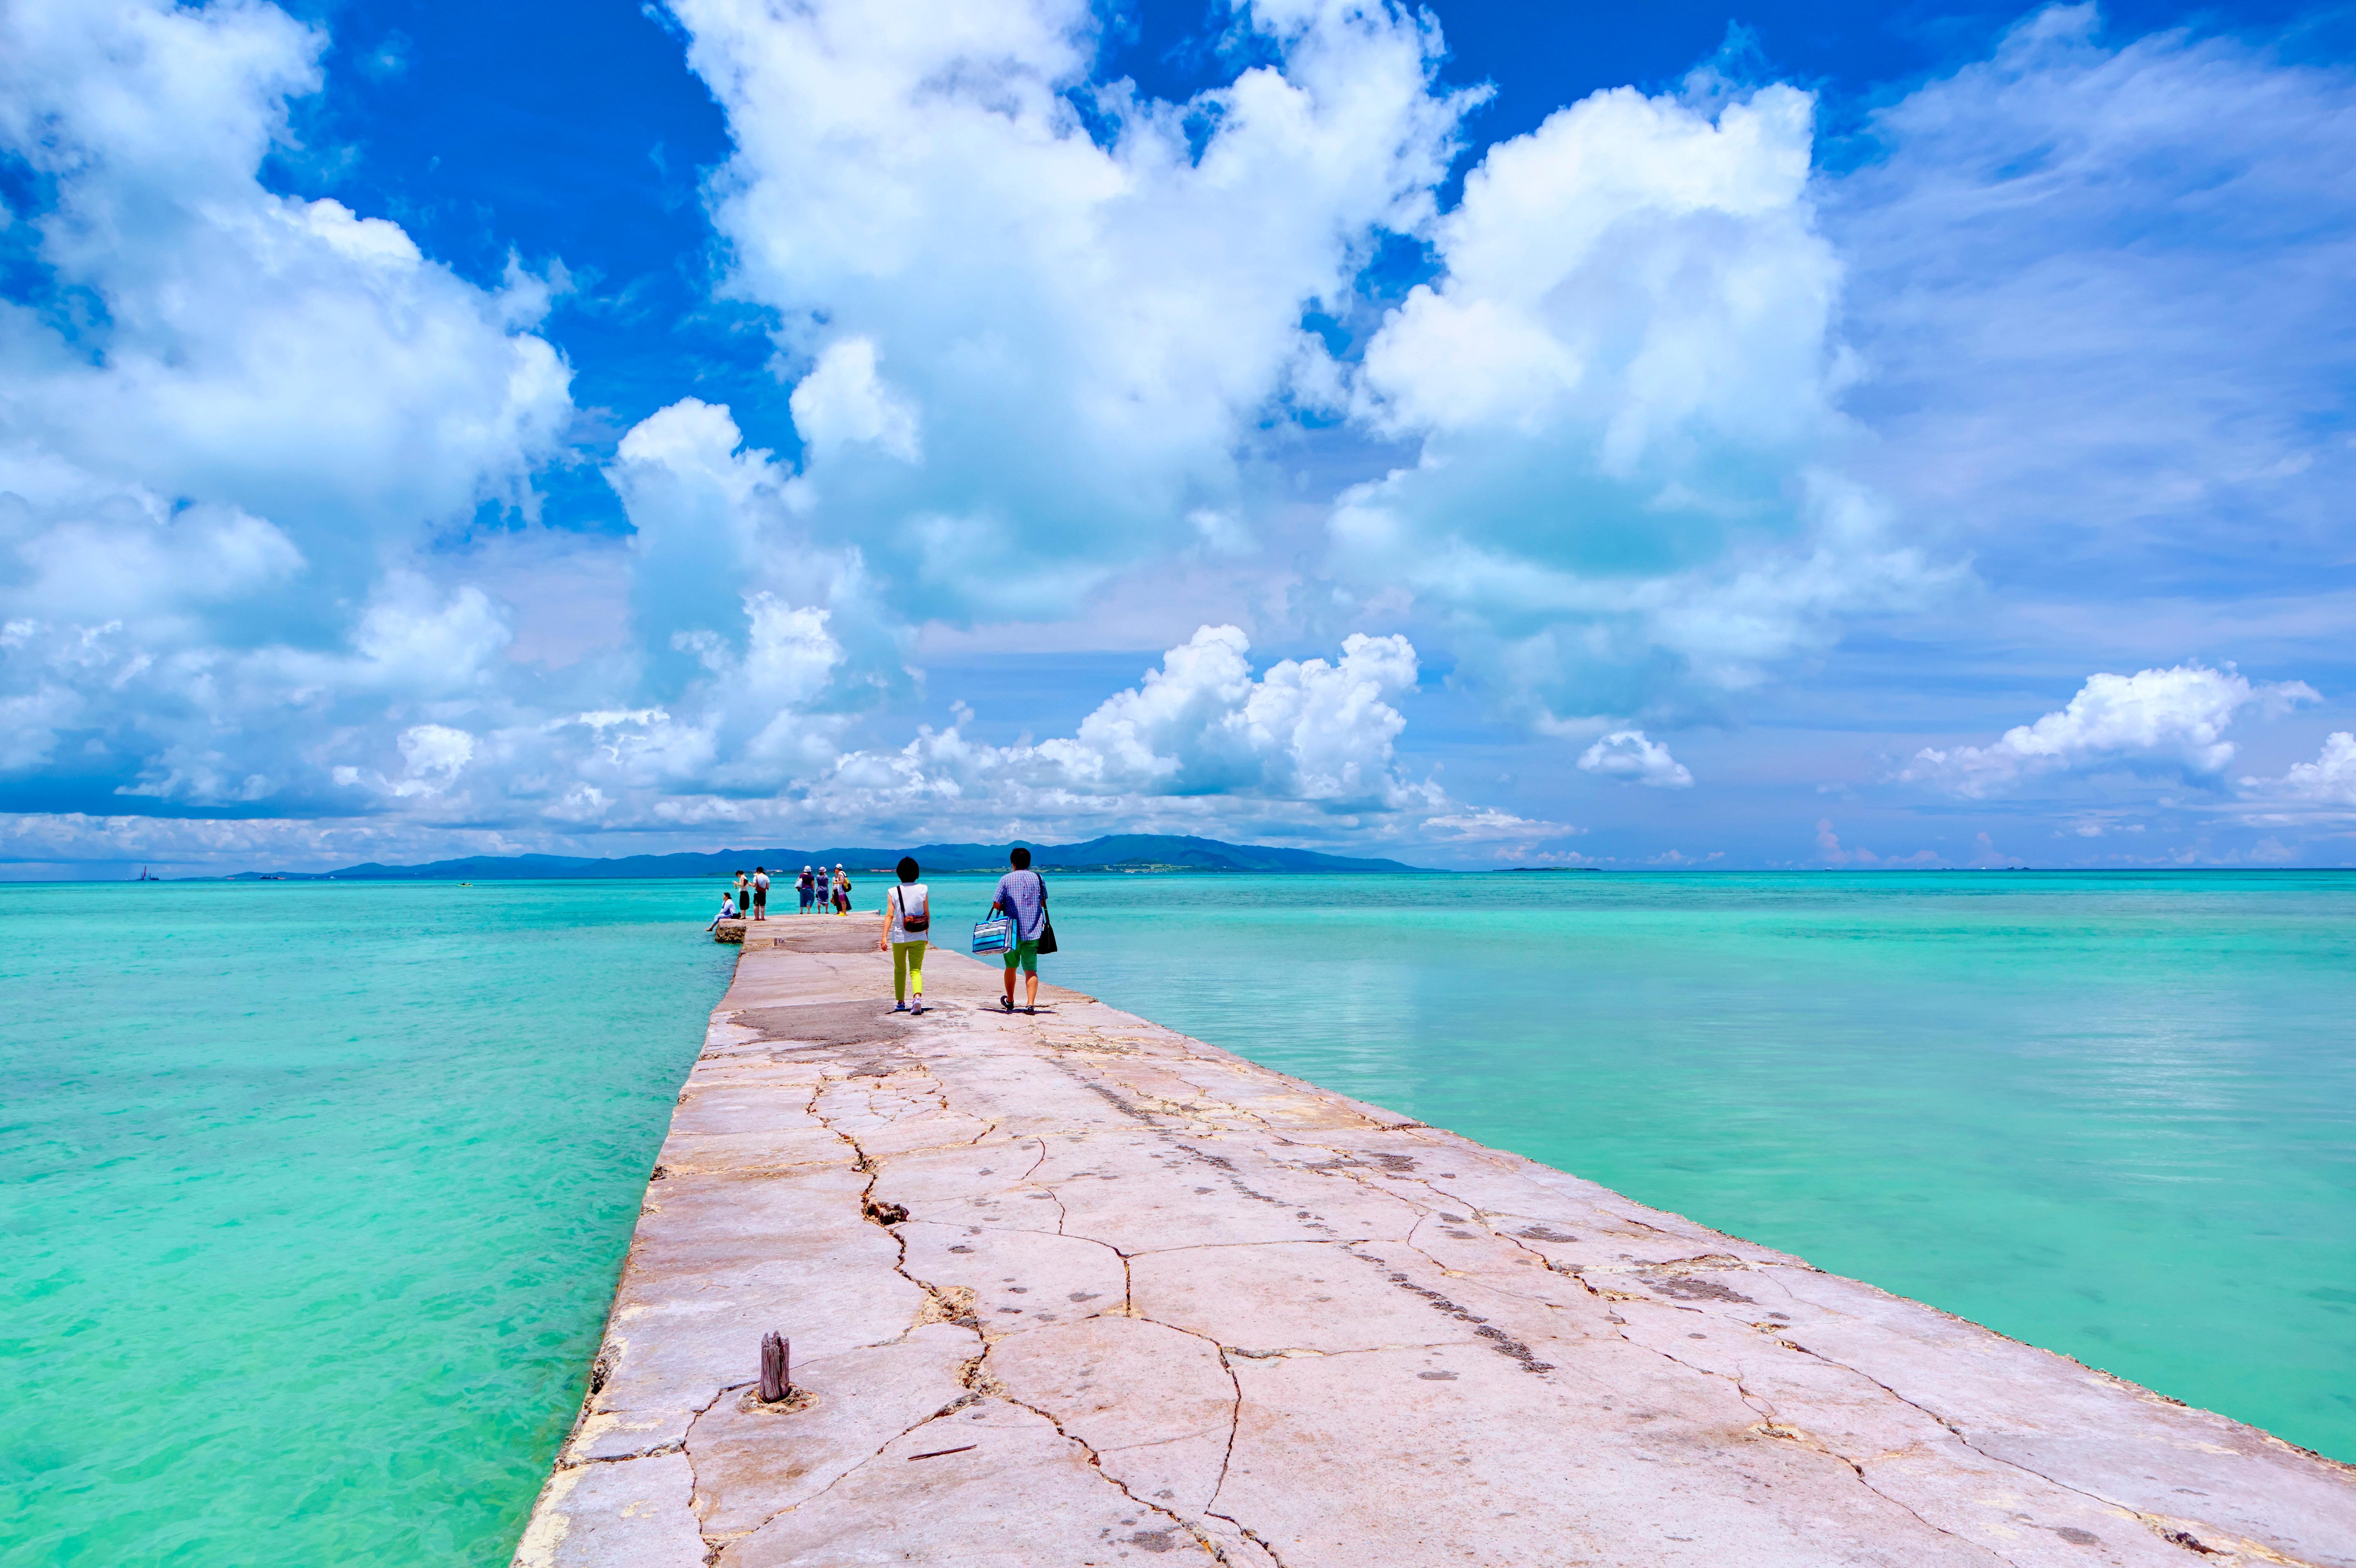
[{"x": 911, "y": 897}]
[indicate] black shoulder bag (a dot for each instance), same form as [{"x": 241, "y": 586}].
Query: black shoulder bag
[{"x": 1046, "y": 921}]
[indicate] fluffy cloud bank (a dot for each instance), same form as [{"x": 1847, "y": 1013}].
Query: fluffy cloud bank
[
  {"x": 1623, "y": 387},
  {"x": 230, "y": 422},
  {"x": 1305, "y": 750},
  {"x": 1038, "y": 316},
  {"x": 1199, "y": 739},
  {"x": 233, "y": 503},
  {"x": 257, "y": 353},
  {"x": 2169, "y": 722},
  {"x": 1057, "y": 351}
]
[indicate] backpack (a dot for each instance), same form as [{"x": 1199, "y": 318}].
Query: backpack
[{"x": 919, "y": 921}]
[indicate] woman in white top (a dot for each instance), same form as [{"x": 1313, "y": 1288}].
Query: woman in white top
[{"x": 907, "y": 925}]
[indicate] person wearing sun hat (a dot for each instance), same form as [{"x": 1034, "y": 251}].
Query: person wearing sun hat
[{"x": 807, "y": 886}]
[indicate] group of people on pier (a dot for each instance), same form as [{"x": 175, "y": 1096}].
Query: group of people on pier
[
  {"x": 819, "y": 889},
  {"x": 1020, "y": 899}
]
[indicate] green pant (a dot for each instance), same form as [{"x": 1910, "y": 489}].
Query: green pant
[
  {"x": 908, "y": 969},
  {"x": 1025, "y": 953}
]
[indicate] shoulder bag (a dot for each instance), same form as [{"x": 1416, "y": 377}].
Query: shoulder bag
[
  {"x": 1046, "y": 922},
  {"x": 914, "y": 924}
]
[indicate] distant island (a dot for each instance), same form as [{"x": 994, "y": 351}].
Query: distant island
[{"x": 1132, "y": 852}]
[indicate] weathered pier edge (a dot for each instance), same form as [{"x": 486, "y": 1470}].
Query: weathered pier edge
[{"x": 1076, "y": 1289}]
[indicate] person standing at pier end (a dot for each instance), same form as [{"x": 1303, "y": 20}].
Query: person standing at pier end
[
  {"x": 1022, "y": 897},
  {"x": 807, "y": 886},
  {"x": 907, "y": 920},
  {"x": 760, "y": 893},
  {"x": 744, "y": 894}
]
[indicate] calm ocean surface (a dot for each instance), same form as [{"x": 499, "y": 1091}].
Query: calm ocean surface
[{"x": 313, "y": 1194}]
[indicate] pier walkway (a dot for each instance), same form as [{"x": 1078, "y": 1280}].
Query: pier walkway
[{"x": 1076, "y": 1289}]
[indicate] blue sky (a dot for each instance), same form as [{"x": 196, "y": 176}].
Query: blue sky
[{"x": 1786, "y": 435}]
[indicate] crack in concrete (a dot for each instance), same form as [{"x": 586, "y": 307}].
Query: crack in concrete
[
  {"x": 716, "y": 1544},
  {"x": 583, "y": 1461},
  {"x": 1129, "y": 1309},
  {"x": 1248, "y": 1533},
  {"x": 977, "y": 1378},
  {"x": 1765, "y": 1409},
  {"x": 2169, "y": 1529},
  {"x": 1096, "y": 1463}
]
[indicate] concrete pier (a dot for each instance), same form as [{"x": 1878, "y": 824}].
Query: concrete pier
[{"x": 1073, "y": 1289}]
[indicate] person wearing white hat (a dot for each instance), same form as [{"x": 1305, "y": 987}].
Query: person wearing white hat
[{"x": 808, "y": 887}]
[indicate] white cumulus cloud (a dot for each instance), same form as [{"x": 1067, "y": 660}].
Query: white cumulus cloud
[
  {"x": 1304, "y": 740},
  {"x": 2321, "y": 790},
  {"x": 1627, "y": 755},
  {"x": 2330, "y": 776},
  {"x": 1623, "y": 386},
  {"x": 843, "y": 398},
  {"x": 221, "y": 473},
  {"x": 2171, "y": 721},
  {"x": 1073, "y": 302},
  {"x": 288, "y": 357}
]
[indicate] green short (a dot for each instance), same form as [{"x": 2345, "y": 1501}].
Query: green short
[{"x": 1025, "y": 953}]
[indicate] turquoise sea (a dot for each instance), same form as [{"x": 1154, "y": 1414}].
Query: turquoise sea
[{"x": 313, "y": 1194}]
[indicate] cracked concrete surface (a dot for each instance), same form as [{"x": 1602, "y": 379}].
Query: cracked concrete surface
[{"x": 1075, "y": 1289}]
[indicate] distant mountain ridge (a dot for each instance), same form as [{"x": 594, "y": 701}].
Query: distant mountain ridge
[{"x": 1116, "y": 852}]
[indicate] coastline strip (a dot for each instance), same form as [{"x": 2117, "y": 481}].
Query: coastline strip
[{"x": 1130, "y": 1295}]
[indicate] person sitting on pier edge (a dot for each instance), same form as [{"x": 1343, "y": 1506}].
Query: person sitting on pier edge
[
  {"x": 907, "y": 920},
  {"x": 727, "y": 908},
  {"x": 1023, "y": 896}
]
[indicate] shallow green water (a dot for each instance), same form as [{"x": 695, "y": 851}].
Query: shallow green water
[{"x": 313, "y": 1194}]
